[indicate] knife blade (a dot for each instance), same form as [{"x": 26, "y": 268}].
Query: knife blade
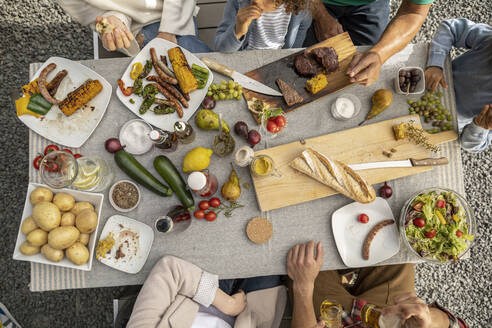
[
  {"x": 245, "y": 81},
  {"x": 411, "y": 162}
]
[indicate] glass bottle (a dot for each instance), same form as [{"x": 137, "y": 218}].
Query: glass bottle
[
  {"x": 164, "y": 140},
  {"x": 372, "y": 317},
  {"x": 203, "y": 184},
  {"x": 184, "y": 132},
  {"x": 331, "y": 314}
]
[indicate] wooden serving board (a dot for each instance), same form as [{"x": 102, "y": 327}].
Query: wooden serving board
[
  {"x": 359, "y": 145},
  {"x": 284, "y": 70}
]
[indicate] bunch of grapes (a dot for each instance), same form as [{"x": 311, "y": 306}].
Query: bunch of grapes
[
  {"x": 226, "y": 90},
  {"x": 430, "y": 107}
]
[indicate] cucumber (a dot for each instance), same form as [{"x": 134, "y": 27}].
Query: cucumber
[
  {"x": 168, "y": 171},
  {"x": 128, "y": 164}
]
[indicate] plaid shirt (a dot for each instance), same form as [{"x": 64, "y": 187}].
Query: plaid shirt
[{"x": 355, "y": 317}]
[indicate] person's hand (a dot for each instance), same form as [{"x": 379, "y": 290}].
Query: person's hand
[
  {"x": 326, "y": 26},
  {"x": 245, "y": 16},
  {"x": 113, "y": 32},
  {"x": 303, "y": 267},
  {"x": 364, "y": 68},
  {"x": 412, "y": 310},
  {"x": 434, "y": 77},
  {"x": 231, "y": 305},
  {"x": 168, "y": 36},
  {"x": 484, "y": 119}
]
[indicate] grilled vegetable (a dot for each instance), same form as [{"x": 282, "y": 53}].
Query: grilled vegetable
[
  {"x": 201, "y": 75},
  {"x": 21, "y": 107},
  {"x": 186, "y": 79},
  {"x": 137, "y": 87},
  {"x": 164, "y": 109},
  {"x": 146, "y": 69},
  {"x": 80, "y": 96},
  {"x": 168, "y": 171},
  {"x": 148, "y": 93},
  {"x": 137, "y": 69},
  {"x": 39, "y": 105},
  {"x": 316, "y": 84},
  {"x": 126, "y": 91}
]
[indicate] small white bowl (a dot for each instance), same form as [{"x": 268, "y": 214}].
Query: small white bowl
[
  {"x": 116, "y": 207},
  {"x": 357, "y": 105},
  {"x": 420, "y": 88}
]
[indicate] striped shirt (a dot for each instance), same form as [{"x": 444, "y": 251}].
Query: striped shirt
[{"x": 269, "y": 30}]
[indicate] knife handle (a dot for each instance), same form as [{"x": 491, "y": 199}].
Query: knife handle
[
  {"x": 213, "y": 65},
  {"x": 429, "y": 161}
]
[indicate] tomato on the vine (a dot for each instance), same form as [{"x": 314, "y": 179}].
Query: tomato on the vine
[
  {"x": 363, "y": 218},
  {"x": 281, "y": 121},
  {"x": 67, "y": 150},
  {"x": 272, "y": 127},
  {"x": 210, "y": 216},
  {"x": 199, "y": 214},
  {"x": 50, "y": 148},
  {"x": 214, "y": 202},
  {"x": 37, "y": 161},
  {"x": 204, "y": 205},
  {"x": 77, "y": 155}
]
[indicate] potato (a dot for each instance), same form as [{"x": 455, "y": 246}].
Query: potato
[
  {"x": 63, "y": 201},
  {"x": 28, "y": 225},
  {"x": 86, "y": 221},
  {"x": 46, "y": 215},
  {"x": 37, "y": 237},
  {"x": 67, "y": 219},
  {"x": 28, "y": 249},
  {"x": 78, "y": 254},
  {"x": 63, "y": 237},
  {"x": 40, "y": 194},
  {"x": 80, "y": 206},
  {"x": 84, "y": 238},
  {"x": 54, "y": 255}
]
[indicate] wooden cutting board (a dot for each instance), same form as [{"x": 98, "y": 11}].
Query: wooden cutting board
[
  {"x": 284, "y": 70},
  {"x": 359, "y": 145}
]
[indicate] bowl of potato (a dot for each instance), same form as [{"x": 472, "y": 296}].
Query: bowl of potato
[{"x": 59, "y": 227}]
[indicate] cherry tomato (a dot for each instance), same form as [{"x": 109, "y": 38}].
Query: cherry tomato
[
  {"x": 441, "y": 203},
  {"x": 77, "y": 155},
  {"x": 419, "y": 222},
  {"x": 51, "y": 166},
  {"x": 459, "y": 233},
  {"x": 272, "y": 127},
  {"x": 50, "y": 148},
  {"x": 37, "y": 161},
  {"x": 204, "y": 205},
  {"x": 199, "y": 214},
  {"x": 430, "y": 234},
  {"x": 281, "y": 121},
  {"x": 210, "y": 216},
  {"x": 418, "y": 206},
  {"x": 214, "y": 202},
  {"x": 67, "y": 150},
  {"x": 363, "y": 218}
]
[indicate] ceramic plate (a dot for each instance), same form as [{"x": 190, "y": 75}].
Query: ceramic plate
[
  {"x": 350, "y": 234},
  {"x": 80, "y": 196},
  {"x": 71, "y": 131},
  {"x": 165, "y": 122},
  {"x": 133, "y": 240}
]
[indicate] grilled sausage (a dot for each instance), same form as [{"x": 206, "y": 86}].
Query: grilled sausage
[
  {"x": 159, "y": 71},
  {"x": 170, "y": 97},
  {"x": 163, "y": 65},
  {"x": 55, "y": 82},
  {"x": 42, "y": 84},
  {"x": 371, "y": 235},
  {"x": 169, "y": 88}
]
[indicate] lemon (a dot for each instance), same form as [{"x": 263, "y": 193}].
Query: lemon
[
  {"x": 197, "y": 159},
  {"x": 93, "y": 180}
]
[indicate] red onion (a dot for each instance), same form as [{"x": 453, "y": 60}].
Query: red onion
[
  {"x": 241, "y": 129},
  {"x": 112, "y": 145},
  {"x": 385, "y": 191},
  {"x": 254, "y": 137},
  {"x": 208, "y": 102}
]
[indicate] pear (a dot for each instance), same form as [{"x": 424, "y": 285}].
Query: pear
[
  {"x": 231, "y": 190},
  {"x": 208, "y": 120}
]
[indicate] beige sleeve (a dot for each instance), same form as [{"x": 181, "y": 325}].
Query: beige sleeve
[
  {"x": 81, "y": 11},
  {"x": 177, "y": 17}
]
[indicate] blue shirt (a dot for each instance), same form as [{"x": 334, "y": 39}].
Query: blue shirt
[{"x": 472, "y": 74}]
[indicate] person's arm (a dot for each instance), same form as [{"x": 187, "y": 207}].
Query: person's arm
[
  {"x": 365, "y": 67},
  {"x": 325, "y": 25},
  {"x": 303, "y": 268},
  {"x": 81, "y": 11},
  {"x": 177, "y": 19},
  {"x": 475, "y": 136}
]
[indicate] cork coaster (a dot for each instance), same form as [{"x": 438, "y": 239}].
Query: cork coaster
[{"x": 259, "y": 230}]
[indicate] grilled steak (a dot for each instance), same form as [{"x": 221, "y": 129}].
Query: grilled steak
[
  {"x": 305, "y": 66},
  {"x": 290, "y": 95},
  {"x": 327, "y": 57}
]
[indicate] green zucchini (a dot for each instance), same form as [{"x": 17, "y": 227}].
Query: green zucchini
[
  {"x": 128, "y": 164},
  {"x": 168, "y": 171}
]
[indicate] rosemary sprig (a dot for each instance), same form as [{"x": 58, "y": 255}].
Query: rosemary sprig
[
  {"x": 228, "y": 209},
  {"x": 418, "y": 136}
]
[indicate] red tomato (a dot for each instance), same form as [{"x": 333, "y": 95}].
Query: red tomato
[
  {"x": 37, "y": 161},
  {"x": 281, "y": 121},
  {"x": 204, "y": 205},
  {"x": 430, "y": 234},
  {"x": 419, "y": 222},
  {"x": 363, "y": 218},
  {"x": 418, "y": 206},
  {"x": 441, "y": 203},
  {"x": 77, "y": 155},
  {"x": 214, "y": 202},
  {"x": 210, "y": 216},
  {"x": 272, "y": 127},
  {"x": 67, "y": 150},
  {"x": 199, "y": 214},
  {"x": 50, "y": 148},
  {"x": 51, "y": 166},
  {"x": 459, "y": 234}
]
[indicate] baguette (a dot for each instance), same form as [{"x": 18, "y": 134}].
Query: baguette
[{"x": 335, "y": 175}]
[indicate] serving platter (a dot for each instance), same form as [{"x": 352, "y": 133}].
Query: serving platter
[
  {"x": 71, "y": 131},
  {"x": 165, "y": 122}
]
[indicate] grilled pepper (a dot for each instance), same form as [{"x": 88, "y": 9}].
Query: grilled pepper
[
  {"x": 146, "y": 69},
  {"x": 201, "y": 75},
  {"x": 38, "y": 104},
  {"x": 137, "y": 87},
  {"x": 126, "y": 91},
  {"x": 137, "y": 69},
  {"x": 163, "y": 110},
  {"x": 21, "y": 107}
]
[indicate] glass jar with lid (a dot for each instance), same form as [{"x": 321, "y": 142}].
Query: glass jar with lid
[{"x": 203, "y": 183}]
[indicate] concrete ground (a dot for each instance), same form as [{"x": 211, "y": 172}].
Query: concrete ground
[{"x": 34, "y": 30}]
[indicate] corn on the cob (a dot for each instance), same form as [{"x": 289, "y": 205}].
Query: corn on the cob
[
  {"x": 316, "y": 84},
  {"x": 184, "y": 75},
  {"x": 80, "y": 96}
]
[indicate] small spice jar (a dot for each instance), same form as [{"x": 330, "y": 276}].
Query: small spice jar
[{"x": 124, "y": 196}]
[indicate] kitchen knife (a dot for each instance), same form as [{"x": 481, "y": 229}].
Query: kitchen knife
[
  {"x": 243, "y": 80},
  {"x": 411, "y": 162}
]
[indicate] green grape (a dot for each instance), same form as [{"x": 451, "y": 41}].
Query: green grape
[
  {"x": 439, "y": 94},
  {"x": 223, "y": 87},
  {"x": 239, "y": 92},
  {"x": 209, "y": 93},
  {"x": 223, "y": 82},
  {"x": 231, "y": 84},
  {"x": 222, "y": 96},
  {"x": 410, "y": 101},
  {"x": 450, "y": 117},
  {"x": 216, "y": 97},
  {"x": 235, "y": 94},
  {"x": 239, "y": 87},
  {"x": 214, "y": 86},
  {"x": 229, "y": 97},
  {"x": 238, "y": 97}
]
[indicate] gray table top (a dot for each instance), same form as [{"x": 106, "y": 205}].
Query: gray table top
[{"x": 222, "y": 247}]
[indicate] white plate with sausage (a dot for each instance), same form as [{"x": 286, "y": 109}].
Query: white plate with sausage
[
  {"x": 74, "y": 130},
  {"x": 164, "y": 122},
  {"x": 350, "y": 234}
]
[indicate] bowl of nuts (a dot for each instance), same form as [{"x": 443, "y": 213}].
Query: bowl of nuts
[{"x": 410, "y": 81}]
